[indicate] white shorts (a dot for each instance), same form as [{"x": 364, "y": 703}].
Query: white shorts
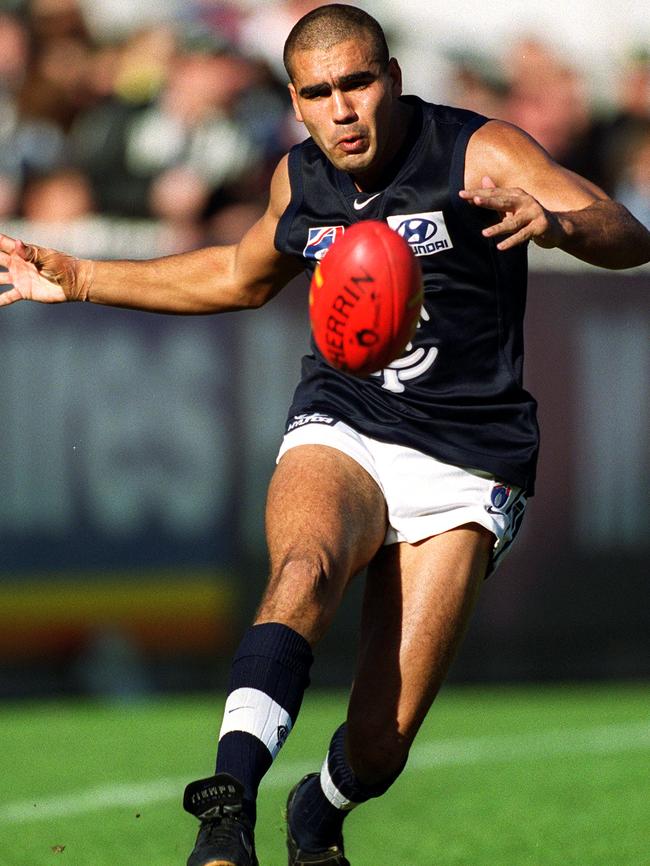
[{"x": 424, "y": 496}]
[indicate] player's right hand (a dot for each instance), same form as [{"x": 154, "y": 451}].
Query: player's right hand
[{"x": 39, "y": 274}]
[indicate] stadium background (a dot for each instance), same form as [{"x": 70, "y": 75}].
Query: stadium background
[{"x": 136, "y": 449}]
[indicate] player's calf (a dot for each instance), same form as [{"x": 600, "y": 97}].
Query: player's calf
[{"x": 319, "y": 804}]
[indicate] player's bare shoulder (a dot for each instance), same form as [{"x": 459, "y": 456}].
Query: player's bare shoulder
[
  {"x": 280, "y": 192},
  {"x": 497, "y": 148},
  {"x": 510, "y": 159}
]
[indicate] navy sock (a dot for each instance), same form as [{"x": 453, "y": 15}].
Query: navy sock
[
  {"x": 269, "y": 675},
  {"x": 322, "y": 803}
]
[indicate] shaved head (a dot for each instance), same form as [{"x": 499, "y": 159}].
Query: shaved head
[{"x": 327, "y": 26}]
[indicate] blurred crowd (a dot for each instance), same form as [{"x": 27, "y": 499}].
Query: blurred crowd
[
  {"x": 537, "y": 89},
  {"x": 182, "y": 119}
]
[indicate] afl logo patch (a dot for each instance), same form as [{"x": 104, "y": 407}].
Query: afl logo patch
[
  {"x": 425, "y": 233},
  {"x": 320, "y": 239},
  {"x": 500, "y": 495}
]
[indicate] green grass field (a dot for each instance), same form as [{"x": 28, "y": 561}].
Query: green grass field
[{"x": 499, "y": 777}]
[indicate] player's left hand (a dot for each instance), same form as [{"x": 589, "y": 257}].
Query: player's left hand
[{"x": 523, "y": 218}]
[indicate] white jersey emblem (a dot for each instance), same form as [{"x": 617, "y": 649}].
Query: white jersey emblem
[
  {"x": 411, "y": 365},
  {"x": 425, "y": 233}
]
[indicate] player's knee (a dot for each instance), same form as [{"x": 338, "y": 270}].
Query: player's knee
[
  {"x": 315, "y": 576},
  {"x": 304, "y": 592}
]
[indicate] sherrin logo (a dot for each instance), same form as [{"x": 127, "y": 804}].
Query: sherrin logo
[{"x": 426, "y": 233}]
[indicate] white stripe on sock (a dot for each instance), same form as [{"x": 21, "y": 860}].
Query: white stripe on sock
[
  {"x": 336, "y": 798},
  {"x": 254, "y": 712}
]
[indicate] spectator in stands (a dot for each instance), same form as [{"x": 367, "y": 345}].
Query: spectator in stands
[
  {"x": 9, "y": 195},
  {"x": 264, "y": 30},
  {"x": 55, "y": 88},
  {"x": 231, "y": 222},
  {"x": 28, "y": 143},
  {"x": 180, "y": 119},
  {"x": 180, "y": 197},
  {"x": 193, "y": 123},
  {"x": 14, "y": 52},
  {"x": 56, "y": 19},
  {"x": 547, "y": 97},
  {"x": 478, "y": 83},
  {"x": 617, "y": 136},
  {"x": 59, "y": 197},
  {"x": 126, "y": 80},
  {"x": 537, "y": 90}
]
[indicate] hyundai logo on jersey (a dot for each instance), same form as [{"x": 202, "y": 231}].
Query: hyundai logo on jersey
[
  {"x": 320, "y": 239},
  {"x": 426, "y": 233},
  {"x": 417, "y": 231}
]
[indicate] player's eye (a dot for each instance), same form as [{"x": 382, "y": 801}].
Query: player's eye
[
  {"x": 359, "y": 82},
  {"x": 315, "y": 92},
  {"x": 355, "y": 85}
]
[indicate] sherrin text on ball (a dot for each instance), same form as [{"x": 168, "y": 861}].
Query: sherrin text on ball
[{"x": 365, "y": 299}]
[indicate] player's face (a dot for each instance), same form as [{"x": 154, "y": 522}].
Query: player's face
[{"x": 348, "y": 105}]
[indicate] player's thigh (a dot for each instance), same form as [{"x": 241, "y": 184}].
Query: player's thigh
[
  {"x": 325, "y": 520},
  {"x": 417, "y": 604}
]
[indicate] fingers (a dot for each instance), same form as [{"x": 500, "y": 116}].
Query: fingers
[
  {"x": 7, "y": 244},
  {"x": 5, "y": 263},
  {"x": 523, "y": 226},
  {"x": 522, "y": 217},
  {"x": 494, "y": 198},
  {"x": 11, "y": 294},
  {"x": 520, "y": 228},
  {"x": 521, "y": 237},
  {"x": 10, "y": 247},
  {"x": 9, "y": 297}
]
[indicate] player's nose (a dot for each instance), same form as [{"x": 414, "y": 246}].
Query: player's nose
[{"x": 342, "y": 108}]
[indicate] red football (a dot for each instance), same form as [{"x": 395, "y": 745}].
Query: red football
[{"x": 365, "y": 298}]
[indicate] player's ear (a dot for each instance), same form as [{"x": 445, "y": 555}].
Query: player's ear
[
  {"x": 395, "y": 75},
  {"x": 294, "y": 102}
]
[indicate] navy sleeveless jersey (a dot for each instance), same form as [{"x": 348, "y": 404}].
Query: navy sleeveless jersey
[{"x": 457, "y": 391}]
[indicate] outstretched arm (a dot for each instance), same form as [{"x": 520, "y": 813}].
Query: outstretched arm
[
  {"x": 508, "y": 172},
  {"x": 210, "y": 280}
]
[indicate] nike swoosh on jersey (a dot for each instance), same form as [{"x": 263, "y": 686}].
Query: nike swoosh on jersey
[{"x": 360, "y": 205}]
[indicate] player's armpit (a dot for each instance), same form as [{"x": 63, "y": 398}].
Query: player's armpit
[{"x": 258, "y": 266}]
